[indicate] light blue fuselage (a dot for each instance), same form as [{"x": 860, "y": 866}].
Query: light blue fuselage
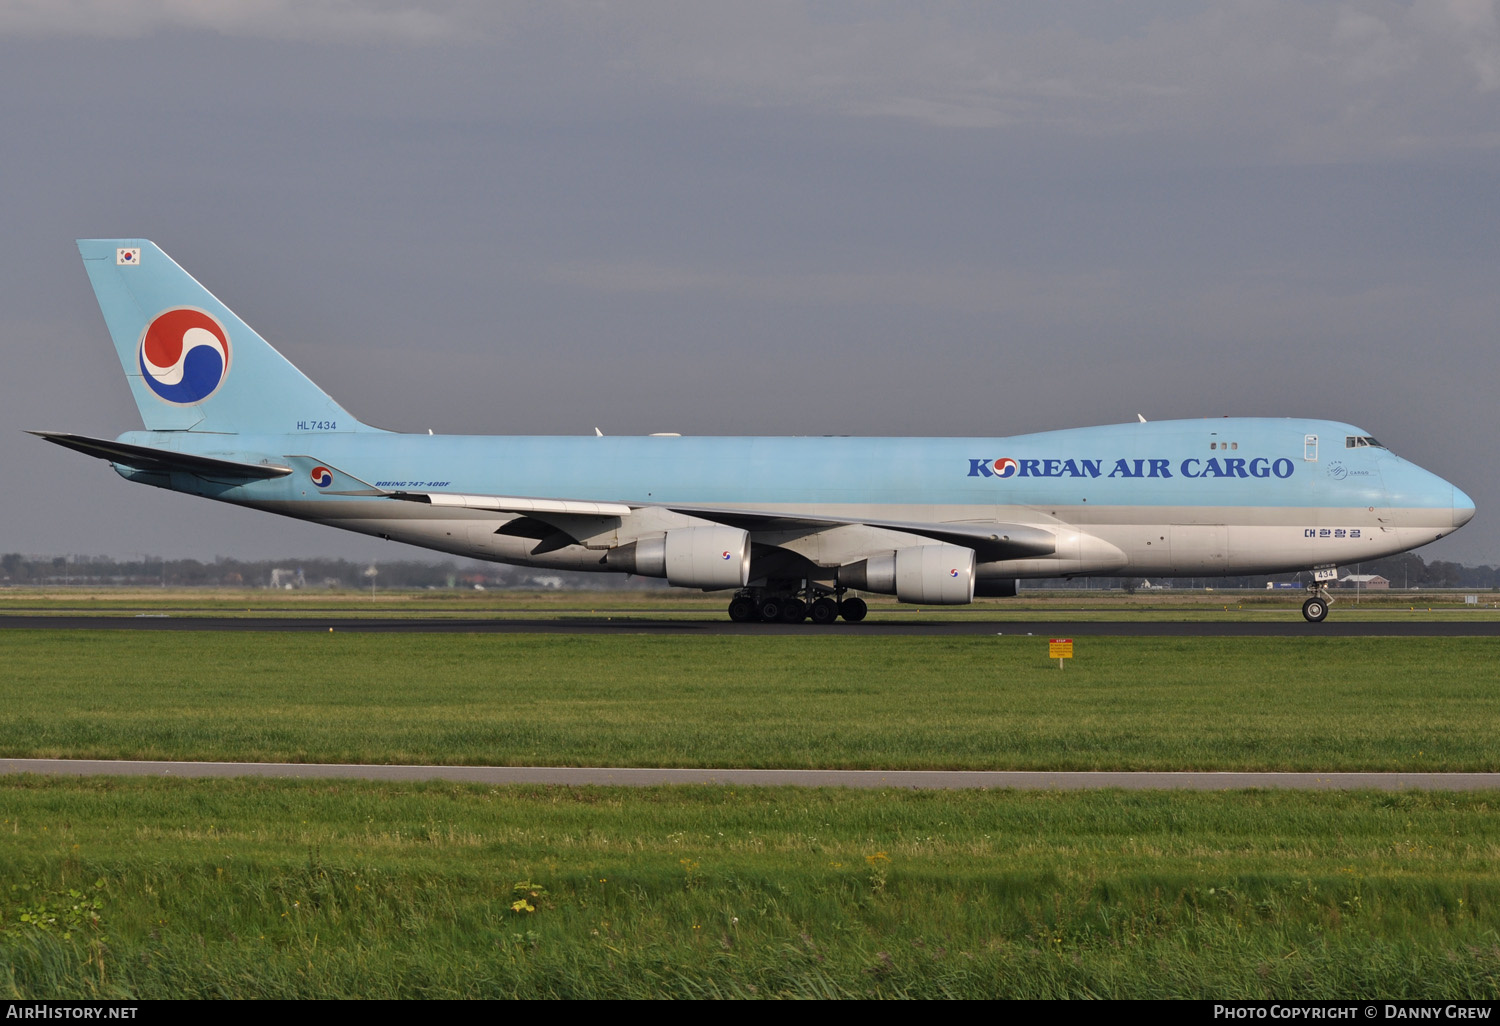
[{"x": 1230, "y": 495}]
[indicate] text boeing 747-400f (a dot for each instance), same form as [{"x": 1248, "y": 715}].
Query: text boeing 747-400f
[{"x": 792, "y": 525}]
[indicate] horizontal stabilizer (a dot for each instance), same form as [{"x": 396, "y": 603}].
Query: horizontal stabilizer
[{"x": 143, "y": 457}]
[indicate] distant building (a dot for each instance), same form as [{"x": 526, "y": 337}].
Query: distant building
[
  {"x": 287, "y": 579},
  {"x": 1365, "y": 582}
]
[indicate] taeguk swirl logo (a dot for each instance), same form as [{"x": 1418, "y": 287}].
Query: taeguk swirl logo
[{"x": 184, "y": 356}]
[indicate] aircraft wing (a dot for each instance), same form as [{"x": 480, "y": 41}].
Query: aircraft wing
[
  {"x": 991, "y": 540},
  {"x": 143, "y": 457},
  {"x": 518, "y": 504}
]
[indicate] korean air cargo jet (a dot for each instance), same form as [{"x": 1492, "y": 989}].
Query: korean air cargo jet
[{"x": 792, "y": 525}]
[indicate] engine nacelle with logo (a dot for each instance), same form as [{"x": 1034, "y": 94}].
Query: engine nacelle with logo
[
  {"x": 689, "y": 557},
  {"x": 936, "y": 574}
]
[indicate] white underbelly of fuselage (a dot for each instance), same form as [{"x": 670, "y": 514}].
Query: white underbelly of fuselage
[{"x": 1098, "y": 541}]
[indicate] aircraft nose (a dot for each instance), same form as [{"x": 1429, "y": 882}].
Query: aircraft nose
[{"x": 1463, "y": 508}]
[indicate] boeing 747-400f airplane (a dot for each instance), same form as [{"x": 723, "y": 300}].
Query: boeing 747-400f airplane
[{"x": 792, "y": 525}]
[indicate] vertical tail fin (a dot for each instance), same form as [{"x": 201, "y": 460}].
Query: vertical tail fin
[{"x": 191, "y": 363}]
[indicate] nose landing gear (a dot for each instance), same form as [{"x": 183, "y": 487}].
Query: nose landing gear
[{"x": 1315, "y": 609}]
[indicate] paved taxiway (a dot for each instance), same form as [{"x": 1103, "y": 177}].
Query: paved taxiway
[
  {"x": 895, "y": 626},
  {"x": 646, "y": 776}
]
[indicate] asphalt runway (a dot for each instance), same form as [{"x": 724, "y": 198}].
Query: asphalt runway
[
  {"x": 575, "y": 776},
  {"x": 896, "y": 625}
]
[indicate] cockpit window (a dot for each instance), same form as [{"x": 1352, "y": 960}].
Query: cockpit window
[{"x": 1360, "y": 441}]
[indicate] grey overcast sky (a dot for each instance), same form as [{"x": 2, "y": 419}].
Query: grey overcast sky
[{"x": 758, "y": 218}]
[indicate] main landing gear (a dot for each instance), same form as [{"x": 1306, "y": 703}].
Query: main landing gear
[{"x": 795, "y": 605}]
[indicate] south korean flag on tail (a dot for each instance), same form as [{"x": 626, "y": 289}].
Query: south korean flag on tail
[{"x": 128, "y": 257}]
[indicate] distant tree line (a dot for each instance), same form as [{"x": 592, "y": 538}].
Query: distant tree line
[{"x": 149, "y": 571}]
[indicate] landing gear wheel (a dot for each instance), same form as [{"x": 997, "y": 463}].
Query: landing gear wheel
[
  {"x": 824, "y": 611},
  {"x": 793, "y": 610},
  {"x": 853, "y": 609},
  {"x": 741, "y": 609},
  {"x": 770, "y": 610},
  {"x": 1315, "y": 610}
]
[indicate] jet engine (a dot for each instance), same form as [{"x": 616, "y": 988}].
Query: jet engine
[
  {"x": 689, "y": 557},
  {"x": 938, "y": 574}
]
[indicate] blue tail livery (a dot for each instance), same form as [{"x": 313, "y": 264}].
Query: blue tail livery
[{"x": 191, "y": 363}]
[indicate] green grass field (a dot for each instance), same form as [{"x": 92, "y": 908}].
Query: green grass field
[
  {"x": 248, "y": 888},
  {"x": 293, "y": 889},
  {"x": 784, "y": 702}
]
